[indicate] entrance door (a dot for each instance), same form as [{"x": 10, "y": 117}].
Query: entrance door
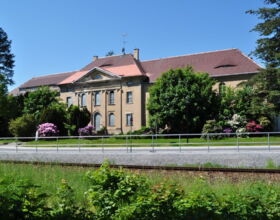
[{"x": 97, "y": 121}]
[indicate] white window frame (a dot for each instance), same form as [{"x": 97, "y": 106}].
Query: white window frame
[
  {"x": 129, "y": 123},
  {"x": 95, "y": 99},
  {"x": 129, "y": 100}
]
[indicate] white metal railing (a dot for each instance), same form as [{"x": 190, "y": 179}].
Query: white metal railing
[{"x": 151, "y": 142}]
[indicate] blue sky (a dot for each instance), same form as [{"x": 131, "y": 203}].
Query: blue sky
[{"x": 52, "y": 36}]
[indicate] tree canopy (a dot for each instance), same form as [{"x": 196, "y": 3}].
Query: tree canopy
[
  {"x": 182, "y": 100},
  {"x": 268, "y": 47},
  {"x": 6, "y": 62},
  {"x": 38, "y": 100}
]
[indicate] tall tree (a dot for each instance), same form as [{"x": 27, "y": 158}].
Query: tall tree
[
  {"x": 268, "y": 47},
  {"x": 6, "y": 62},
  {"x": 182, "y": 100},
  {"x": 38, "y": 100}
]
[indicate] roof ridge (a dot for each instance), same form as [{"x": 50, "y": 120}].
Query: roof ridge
[
  {"x": 214, "y": 51},
  {"x": 250, "y": 59},
  {"x": 54, "y": 74},
  {"x": 113, "y": 56}
]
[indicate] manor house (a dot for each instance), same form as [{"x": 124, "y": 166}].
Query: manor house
[{"x": 115, "y": 88}]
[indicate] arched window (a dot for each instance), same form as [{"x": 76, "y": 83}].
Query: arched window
[
  {"x": 97, "y": 121},
  {"x": 83, "y": 100},
  {"x": 111, "y": 119},
  {"x": 97, "y": 98},
  {"x": 111, "y": 98}
]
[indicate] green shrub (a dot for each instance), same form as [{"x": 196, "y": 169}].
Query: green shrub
[
  {"x": 212, "y": 126},
  {"x": 56, "y": 114},
  {"x": 76, "y": 118},
  {"x": 24, "y": 126}
]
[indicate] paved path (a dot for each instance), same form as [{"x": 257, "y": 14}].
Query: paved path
[{"x": 247, "y": 156}]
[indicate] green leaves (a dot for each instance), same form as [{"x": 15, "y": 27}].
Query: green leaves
[
  {"x": 268, "y": 47},
  {"x": 182, "y": 100}
]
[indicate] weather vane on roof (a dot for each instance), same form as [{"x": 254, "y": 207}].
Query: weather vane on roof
[{"x": 124, "y": 35}]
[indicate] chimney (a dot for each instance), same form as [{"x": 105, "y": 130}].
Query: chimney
[
  {"x": 95, "y": 58},
  {"x": 136, "y": 53}
]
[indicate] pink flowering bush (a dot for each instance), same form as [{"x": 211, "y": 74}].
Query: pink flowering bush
[
  {"x": 47, "y": 129},
  {"x": 86, "y": 131},
  {"x": 252, "y": 126}
]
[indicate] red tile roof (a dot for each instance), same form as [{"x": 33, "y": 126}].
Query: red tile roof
[
  {"x": 216, "y": 63},
  {"x": 52, "y": 79}
]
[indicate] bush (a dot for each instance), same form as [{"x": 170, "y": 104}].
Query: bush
[
  {"x": 212, "y": 126},
  {"x": 47, "y": 129},
  {"x": 86, "y": 131},
  {"x": 252, "y": 126},
  {"x": 24, "y": 126},
  {"x": 76, "y": 118},
  {"x": 56, "y": 114}
]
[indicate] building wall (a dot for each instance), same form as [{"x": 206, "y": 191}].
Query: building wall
[{"x": 120, "y": 108}]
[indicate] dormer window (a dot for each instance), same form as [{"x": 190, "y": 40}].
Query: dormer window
[{"x": 225, "y": 66}]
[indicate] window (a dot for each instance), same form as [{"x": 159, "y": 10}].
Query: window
[
  {"x": 97, "y": 98},
  {"x": 83, "y": 100},
  {"x": 129, "y": 119},
  {"x": 97, "y": 121},
  {"x": 69, "y": 101},
  {"x": 111, "y": 98},
  {"x": 129, "y": 98},
  {"x": 111, "y": 119},
  {"x": 97, "y": 77}
]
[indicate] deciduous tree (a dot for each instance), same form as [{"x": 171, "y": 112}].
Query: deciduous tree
[{"x": 182, "y": 100}]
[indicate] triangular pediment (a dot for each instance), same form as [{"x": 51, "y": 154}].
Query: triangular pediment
[{"x": 97, "y": 74}]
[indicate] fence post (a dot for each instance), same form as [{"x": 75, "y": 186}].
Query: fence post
[
  {"x": 79, "y": 145},
  {"x": 237, "y": 142},
  {"x": 153, "y": 147},
  {"x": 102, "y": 144},
  {"x": 208, "y": 142},
  {"x": 57, "y": 144},
  {"x": 126, "y": 143},
  {"x": 180, "y": 143},
  {"x": 16, "y": 145},
  {"x": 36, "y": 147},
  {"x": 268, "y": 141}
]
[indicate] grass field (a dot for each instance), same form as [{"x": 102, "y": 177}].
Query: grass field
[{"x": 49, "y": 178}]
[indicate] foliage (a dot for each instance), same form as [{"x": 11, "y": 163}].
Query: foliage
[
  {"x": 6, "y": 62},
  {"x": 65, "y": 207},
  {"x": 47, "y": 129},
  {"x": 252, "y": 126},
  {"x": 212, "y": 126},
  {"x": 24, "y": 126},
  {"x": 56, "y": 113},
  {"x": 86, "y": 131},
  {"x": 268, "y": 47},
  {"x": 266, "y": 98},
  {"x": 102, "y": 131},
  {"x": 38, "y": 100},
  {"x": 182, "y": 100},
  {"x": 76, "y": 118},
  {"x": 11, "y": 107},
  {"x": 119, "y": 194},
  {"x": 112, "y": 189},
  {"x": 21, "y": 200}
]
